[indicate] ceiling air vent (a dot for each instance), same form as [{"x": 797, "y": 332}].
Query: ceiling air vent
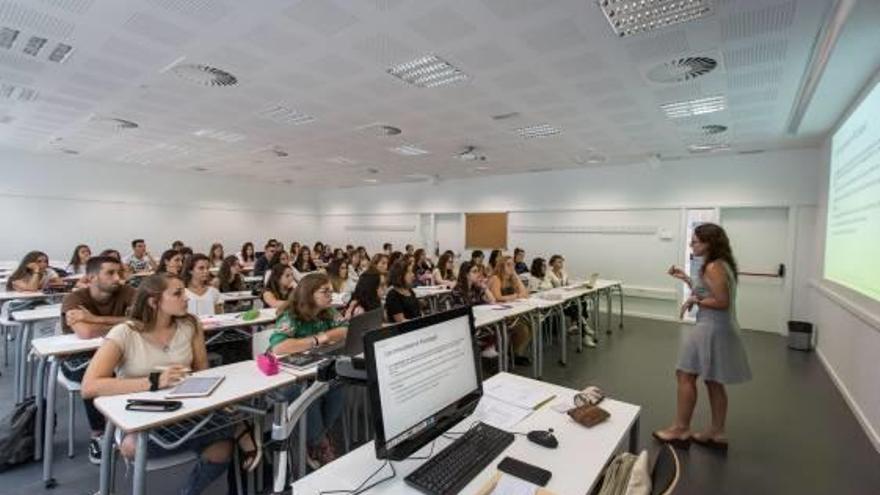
[
  {"x": 115, "y": 123},
  {"x": 682, "y": 69},
  {"x": 204, "y": 75},
  {"x": 713, "y": 129}
]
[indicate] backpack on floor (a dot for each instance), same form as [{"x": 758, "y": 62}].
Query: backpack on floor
[{"x": 17, "y": 434}]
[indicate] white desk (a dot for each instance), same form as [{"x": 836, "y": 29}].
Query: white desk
[
  {"x": 576, "y": 464},
  {"x": 11, "y": 295},
  {"x": 433, "y": 294},
  {"x": 244, "y": 295},
  {"x": 28, "y": 318},
  {"x": 243, "y": 381}
]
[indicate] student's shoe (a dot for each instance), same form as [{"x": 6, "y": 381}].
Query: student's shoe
[
  {"x": 95, "y": 450},
  {"x": 589, "y": 341},
  {"x": 489, "y": 353}
]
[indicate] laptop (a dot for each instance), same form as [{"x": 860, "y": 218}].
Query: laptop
[{"x": 354, "y": 338}]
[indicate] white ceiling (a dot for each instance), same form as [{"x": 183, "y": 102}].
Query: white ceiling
[{"x": 555, "y": 62}]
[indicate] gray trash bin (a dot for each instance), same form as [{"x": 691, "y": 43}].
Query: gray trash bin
[{"x": 800, "y": 335}]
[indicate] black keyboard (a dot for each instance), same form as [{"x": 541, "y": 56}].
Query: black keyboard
[{"x": 452, "y": 468}]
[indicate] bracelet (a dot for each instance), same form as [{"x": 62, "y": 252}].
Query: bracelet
[{"x": 315, "y": 341}]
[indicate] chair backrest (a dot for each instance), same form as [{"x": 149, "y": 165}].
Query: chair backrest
[
  {"x": 666, "y": 472},
  {"x": 5, "y": 319},
  {"x": 260, "y": 342}
]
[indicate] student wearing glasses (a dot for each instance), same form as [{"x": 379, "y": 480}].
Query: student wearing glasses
[
  {"x": 306, "y": 321},
  {"x": 262, "y": 263}
]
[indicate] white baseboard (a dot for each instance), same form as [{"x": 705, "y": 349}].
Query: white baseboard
[{"x": 857, "y": 411}]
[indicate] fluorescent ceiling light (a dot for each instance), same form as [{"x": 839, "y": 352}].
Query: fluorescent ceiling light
[
  {"x": 408, "y": 150},
  {"x": 20, "y": 93},
  {"x": 690, "y": 108},
  {"x": 286, "y": 115},
  {"x": 34, "y": 45},
  {"x": 341, "y": 160},
  {"x": 535, "y": 131},
  {"x": 708, "y": 147},
  {"x": 427, "y": 72},
  {"x": 60, "y": 53},
  {"x": 226, "y": 137},
  {"x": 8, "y": 37},
  {"x": 629, "y": 17},
  {"x": 371, "y": 181}
]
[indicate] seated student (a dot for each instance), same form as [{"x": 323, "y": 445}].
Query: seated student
[
  {"x": 493, "y": 259},
  {"x": 262, "y": 263},
  {"x": 216, "y": 255},
  {"x": 505, "y": 287},
  {"x": 444, "y": 274},
  {"x": 380, "y": 265},
  {"x": 140, "y": 260},
  {"x": 363, "y": 251},
  {"x": 409, "y": 249},
  {"x": 279, "y": 287},
  {"x": 477, "y": 258},
  {"x": 33, "y": 274},
  {"x": 177, "y": 245},
  {"x": 337, "y": 271},
  {"x": 115, "y": 254},
  {"x": 246, "y": 256},
  {"x": 401, "y": 303},
  {"x": 339, "y": 254},
  {"x": 394, "y": 257},
  {"x": 78, "y": 260},
  {"x": 354, "y": 266},
  {"x": 558, "y": 278},
  {"x": 304, "y": 264},
  {"x": 519, "y": 261},
  {"x": 202, "y": 299},
  {"x": 387, "y": 248},
  {"x": 160, "y": 334},
  {"x": 171, "y": 262},
  {"x": 187, "y": 254},
  {"x": 317, "y": 254},
  {"x": 423, "y": 268},
  {"x": 538, "y": 279},
  {"x": 229, "y": 277},
  {"x": 468, "y": 291},
  {"x": 89, "y": 313},
  {"x": 306, "y": 321},
  {"x": 294, "y": 250},
  {"x": 367, "y": 295},
  {"x": 279, "y": 246},
  {"x": 281, "y": 258}
]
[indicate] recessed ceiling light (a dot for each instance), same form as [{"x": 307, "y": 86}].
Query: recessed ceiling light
[
  {"x": 34, "y": 45},
  {"x": 596, "y": 158},
  {"x": 708, "y": 147},
  {"x": 226, "y": 137},
  {"x": 341, "y": 160},
  {"x": 505, "y": 116},
  {"x": 379, "y": 129},
  {"x": 536, "y": 131},
  {"x": 204, "y": 75},
  {"x": 69, "y": 151},
  {"x": 116, "y": 123},
  {"x": 408, "y": 150},
  {"x": 481, "y": 168},
  {"x": 20, "y": 93},
  {"x": 628, "y": 17},
  {"x": 690, "y": 108},
  {"x": 8, "y": 37},
  {"x": 60, "y": 53},
  {"x": 371, "y": 181},
  {"x": 285, "y": 115},
  {"x": 427, "y": 72}
]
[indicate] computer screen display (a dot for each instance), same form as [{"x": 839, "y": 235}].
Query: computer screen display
[{"x": 424, "y": 375}]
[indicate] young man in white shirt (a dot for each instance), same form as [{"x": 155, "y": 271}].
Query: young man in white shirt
[{"x": 140, "y": 260}]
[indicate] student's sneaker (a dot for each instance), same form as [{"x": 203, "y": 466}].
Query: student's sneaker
[
  {"x": 489, "y": 353},
  {"x": 589, "y": 341},
  {"x": 95, "y": 450}
]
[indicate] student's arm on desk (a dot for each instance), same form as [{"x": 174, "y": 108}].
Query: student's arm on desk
[
  {"x": 99, "y": 380},
  {"x": 87, "y": 325},
  {"x": 294, "y": 345}
]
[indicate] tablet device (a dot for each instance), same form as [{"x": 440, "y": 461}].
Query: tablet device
[
  {"x": 195, "y": 386},
  {"x": 301, "y": 361}
]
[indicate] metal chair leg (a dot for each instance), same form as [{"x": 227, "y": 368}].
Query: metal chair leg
[{"x": 71, "y": 415}]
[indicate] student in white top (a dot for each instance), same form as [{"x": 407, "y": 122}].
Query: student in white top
[
  {"x": 444, "y": 274},
  {"x": 247, "y": 257},
  {"x": 140, "y": 260},
  {"x": 78, "y": 260},
  {"x": 557, "y": 274},
  {"x": 155, "y": 350},
  {"x": 216, "y": 255},
  {"x": 203, "y": 299},
  {"x": 538, "y": 279},
  {"x": 33, "y": 274},
  {"x": 354, "y": 266},
  {"x": 280, "y": 258},
  {"x": 337, "y": 270}
]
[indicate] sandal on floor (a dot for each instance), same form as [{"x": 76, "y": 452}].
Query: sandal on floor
[
  {"x": 711, "y": 443},
  {"x": 251, "y": 458},
  {"x": 679, "y": 443}
]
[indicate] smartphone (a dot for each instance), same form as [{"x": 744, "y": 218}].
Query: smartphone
[
  {"x": 523, "y": 470},
  {"x": 153, "y": 405}
]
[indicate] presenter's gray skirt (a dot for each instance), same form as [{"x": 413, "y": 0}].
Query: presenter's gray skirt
[{"x": 713, "y": 349}]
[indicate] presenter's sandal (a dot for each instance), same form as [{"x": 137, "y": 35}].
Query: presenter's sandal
[
  {"x": 679, "y": 443},
  {"x": 705, "y": 440}
]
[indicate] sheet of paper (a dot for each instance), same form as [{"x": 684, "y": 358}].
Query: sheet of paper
[
  {"x": 511, "y": 485},
  {"x": 521, "y": 395},
  {"x": 499, "y": 414}
]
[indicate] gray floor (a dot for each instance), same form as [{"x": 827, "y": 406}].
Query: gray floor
[{"x": 790, "y": 430}]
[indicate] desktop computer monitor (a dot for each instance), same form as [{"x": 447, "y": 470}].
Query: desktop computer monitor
[{"x": 423, "y": 377}]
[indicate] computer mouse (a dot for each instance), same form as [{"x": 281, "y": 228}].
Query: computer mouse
[{"x": 544, "y": 438}]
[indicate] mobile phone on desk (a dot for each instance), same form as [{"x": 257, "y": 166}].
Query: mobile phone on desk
[
  {"x": 153, "y": 405},
  {"x": 525, "y": 471}
]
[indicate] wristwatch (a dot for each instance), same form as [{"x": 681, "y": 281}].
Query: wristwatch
[{"x": 154, "y": 381}]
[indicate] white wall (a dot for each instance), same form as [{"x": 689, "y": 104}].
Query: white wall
[
  {"x": 848, "y": 327},
  {"x": 51, "y": 203},
  {"x": 629, "y": 195}
]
